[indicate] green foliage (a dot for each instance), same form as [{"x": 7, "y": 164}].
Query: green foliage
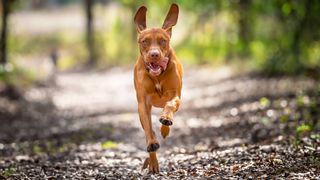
[
  {"x": 116, "y": 52},
  {"x": 278, "y": 37},
  {"x": 72, "y": 46},
  {"x": 299, "y": 118},
  {"x": 296, "y": 34},
  {"x": 264, "y": 102},
  {"x": 10, "y": 74},
  {"x": 315, "y": 136},
  {"x": 284, "y": 118},
  {"x": 109, "y": 144},
  {"x": 8, "y": 172},
  {"x": 275, "y": 37},
  {"x": 37, "y": 149},
  {"x": 303, "y": 128}
]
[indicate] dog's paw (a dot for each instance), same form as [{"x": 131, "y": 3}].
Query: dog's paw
[
  {"x": 153, "y": 147},
  {"x": 153, "y": 166},
  {"x": 165, "y": 122},
  {"x": 165, "y": 130},
  {"x": 145, "y": 164}
]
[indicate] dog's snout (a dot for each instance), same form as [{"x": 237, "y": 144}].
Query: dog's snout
[{"x": 154, "y": 53}]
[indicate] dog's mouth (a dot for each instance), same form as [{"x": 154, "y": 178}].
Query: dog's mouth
[{"x": 156, "y": 68}]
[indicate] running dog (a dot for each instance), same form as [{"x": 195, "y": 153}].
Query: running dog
[{"x": 157, "y": 78}]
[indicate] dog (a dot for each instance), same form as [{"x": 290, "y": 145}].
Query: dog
[{"x": 157, "y": 79}]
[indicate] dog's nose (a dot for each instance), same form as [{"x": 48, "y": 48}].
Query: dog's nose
[{"x": 154, "y": 53}]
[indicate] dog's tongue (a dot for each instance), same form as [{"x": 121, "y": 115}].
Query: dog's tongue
[{"x": 164, "y": 62}]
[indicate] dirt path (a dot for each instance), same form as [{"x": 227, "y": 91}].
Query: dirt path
[{"x": 87, "y": 127}]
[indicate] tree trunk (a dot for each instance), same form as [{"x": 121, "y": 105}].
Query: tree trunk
[
  {"x": 297, "y": 35},
  {"x": 244, "y": 24},
  {"x": 90, "y": 32},
  {"x": 4, "y": 31}
]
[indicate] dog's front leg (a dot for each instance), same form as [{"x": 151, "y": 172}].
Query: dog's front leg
[
  {"x": 167, "y": 115},
  {"x": 144, "y": 109}
]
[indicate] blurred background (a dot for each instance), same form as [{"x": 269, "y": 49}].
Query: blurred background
[
  {"x": 251, "y": 89},
  {"x": 274, "y": 37}
]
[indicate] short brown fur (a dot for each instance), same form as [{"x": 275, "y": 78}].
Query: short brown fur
[{"x": 161, "y": 90}]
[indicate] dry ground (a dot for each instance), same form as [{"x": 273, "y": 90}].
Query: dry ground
[{"x": 86, "y": 127}]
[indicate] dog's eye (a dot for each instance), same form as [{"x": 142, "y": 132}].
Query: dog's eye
[
  {"x": 163, "y": 42},
  {"x": 144, "y": 42}
]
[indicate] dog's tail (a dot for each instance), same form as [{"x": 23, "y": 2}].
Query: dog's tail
[{"x": 165, "y": 130}]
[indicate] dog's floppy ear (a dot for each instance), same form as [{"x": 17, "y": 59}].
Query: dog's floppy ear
[
  {"x": 140, "y": 19},
  {"x": 171, "y": 19}
]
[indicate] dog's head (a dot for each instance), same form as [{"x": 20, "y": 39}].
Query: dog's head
[{"x": 154, "y": 43}]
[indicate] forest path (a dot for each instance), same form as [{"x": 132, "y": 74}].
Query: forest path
[{"x": 87, "y": 126}]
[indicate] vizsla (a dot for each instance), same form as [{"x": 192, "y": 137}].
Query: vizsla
[{"x": 157, "y": 78}]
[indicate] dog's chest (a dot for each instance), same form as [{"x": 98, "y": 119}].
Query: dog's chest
[
  {"x": 159, "y": 97},
  {"x": 158, "y": 87}
]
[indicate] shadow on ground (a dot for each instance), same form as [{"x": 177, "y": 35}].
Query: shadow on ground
[{"x": 87, "y": 127}]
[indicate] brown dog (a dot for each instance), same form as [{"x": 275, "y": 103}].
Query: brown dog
[{"x": 157, "y": 78}]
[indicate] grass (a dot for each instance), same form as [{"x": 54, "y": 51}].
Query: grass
[
  {"x": 8, "y": 172},
  {"x": 109, "y": 144},
  {"x": 11, "y": 74}
]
